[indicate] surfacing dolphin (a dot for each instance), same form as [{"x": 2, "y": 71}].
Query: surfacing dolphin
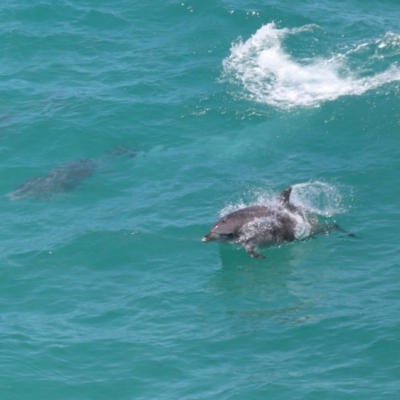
[{"x": 267, "y": 225}]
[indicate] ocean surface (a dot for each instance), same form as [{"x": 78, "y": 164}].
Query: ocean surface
[{"x": 127, "y": 129}]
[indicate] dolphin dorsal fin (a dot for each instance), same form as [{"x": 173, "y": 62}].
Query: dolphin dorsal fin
[{"x": 284, "y": 196}]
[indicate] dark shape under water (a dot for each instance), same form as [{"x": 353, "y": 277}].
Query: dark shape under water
[
  {"x": 66, "y": 177},
  {"x": 122, "y": 151},
  {"x": 60, "y": 179}
]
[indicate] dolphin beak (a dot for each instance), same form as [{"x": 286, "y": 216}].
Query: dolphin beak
[{"x": 210, "y": 237}]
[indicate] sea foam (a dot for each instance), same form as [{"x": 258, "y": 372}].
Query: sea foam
[{"x": 269, "y": 74}]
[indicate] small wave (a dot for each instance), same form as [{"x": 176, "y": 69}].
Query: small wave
[{"x": 270, "y": 75}]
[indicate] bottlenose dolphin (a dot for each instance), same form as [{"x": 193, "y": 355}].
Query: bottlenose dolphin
[
  {"x": 65, "y": 177},
  {"x": 60, "y": 179},
  {"x": 267, "y": 225}
]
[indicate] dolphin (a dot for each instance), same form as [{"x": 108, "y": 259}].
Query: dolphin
[
  {"x": 60, "y": 179},
  {"x": 65, "y": 177},
  {"x": 267, "y": 225}
]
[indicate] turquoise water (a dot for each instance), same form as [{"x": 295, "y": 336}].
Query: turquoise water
[{"x": 187, "y": 110}]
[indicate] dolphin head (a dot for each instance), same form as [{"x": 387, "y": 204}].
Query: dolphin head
[{"x": 225, "y": 229}]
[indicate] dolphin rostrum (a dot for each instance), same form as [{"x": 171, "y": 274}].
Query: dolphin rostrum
[{"x": 267, "y": 225}]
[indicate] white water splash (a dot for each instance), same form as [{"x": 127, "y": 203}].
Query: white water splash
[
  {"x": 270, "y": 75},
  {"x": 316, "y": 197},
  {"x": 232, "y": 207},
  {"x": 319, "y": 198}
]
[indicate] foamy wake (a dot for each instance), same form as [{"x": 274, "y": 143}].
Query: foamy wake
[{"x": 270, "y": 75}]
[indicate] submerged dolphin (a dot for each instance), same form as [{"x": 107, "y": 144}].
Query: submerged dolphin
[
  {"x": 60, "y": 179},
  {"x": 65, "y": 177},
  {"x": 267, "y": 225}
]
